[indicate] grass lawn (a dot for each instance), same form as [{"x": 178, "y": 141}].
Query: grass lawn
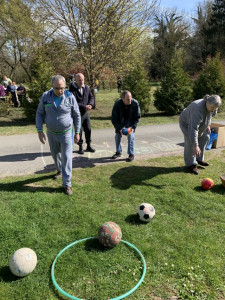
[
  {"x": 15, "y": 122},
  {"x": 183, "y": 245}
]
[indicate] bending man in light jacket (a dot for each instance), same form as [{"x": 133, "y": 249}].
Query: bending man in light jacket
[{"x": 195, "y": 123}]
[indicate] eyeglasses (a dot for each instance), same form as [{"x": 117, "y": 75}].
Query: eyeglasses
[{"x": 58, "y": 88}]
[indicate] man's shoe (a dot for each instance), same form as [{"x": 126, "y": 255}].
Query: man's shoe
[
  {"x": 68, "y": 190},
  {"x": 90, "y": 149},
  {"x": 116, "y": 155},
  {"x": 80, "y": 151},
  {"x": 57, "y": 175},
  {"x": 130, "y": 157},
  {"x": 203, "y": 163},
  {"x": 194, "y": 169}
]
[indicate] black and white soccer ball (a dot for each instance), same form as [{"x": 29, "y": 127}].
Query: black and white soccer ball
[{"x": 145, "y": 212}]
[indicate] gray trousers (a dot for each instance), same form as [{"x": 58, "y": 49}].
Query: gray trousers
[
  {"x": 203, "y": 140},
  {"x": 61, "y": 147}
]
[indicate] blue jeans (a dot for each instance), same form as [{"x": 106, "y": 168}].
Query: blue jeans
[{"x": 130, "y": 139}]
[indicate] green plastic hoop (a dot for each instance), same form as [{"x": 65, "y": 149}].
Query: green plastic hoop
[{"x": 89, "y": 238}]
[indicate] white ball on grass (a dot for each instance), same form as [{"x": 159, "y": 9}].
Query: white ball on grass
[
  {"x": 146, "y": 212},
  {"x": 23, "y": 262}
]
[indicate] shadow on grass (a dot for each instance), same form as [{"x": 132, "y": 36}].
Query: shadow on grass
[
  {"x": 7, "y": 276},
  {"x": 29, "y": 185},
  {"x": 137, "y": 175},
  {"x": 217, "y": 189},
  {"x": 94, "y": 245},
  {"x": 134, "y": 220},
  {"x": 15, "y": 122}
]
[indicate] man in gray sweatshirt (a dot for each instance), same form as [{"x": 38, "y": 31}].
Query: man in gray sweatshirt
[
  {"x": 195, "y": 123},
  {"x": 58, "y": 108}
]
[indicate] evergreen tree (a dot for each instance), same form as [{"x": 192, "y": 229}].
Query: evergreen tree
[
  {"x": 215, "y": 32},
  {"x": 135, "y": 82},
  {"x": 42, "y": 71},
  {"x": 211, "y": 80},
  {"x": 175, "y": 91}
]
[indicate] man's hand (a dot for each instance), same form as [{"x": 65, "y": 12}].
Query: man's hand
[
  {"x": 196, "y": 151},
  {"x": 42, "y": 137},
  {"x": 130, "y": 129},
  {"x": 76, "y": 138},
  {"x": 208, "y": 129},
  {"x": 88, "y": 107}
]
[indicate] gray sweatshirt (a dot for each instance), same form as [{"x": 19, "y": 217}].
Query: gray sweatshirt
[
  {"x": 60, "y": 119},
  {"x": 196, "y": 118}
]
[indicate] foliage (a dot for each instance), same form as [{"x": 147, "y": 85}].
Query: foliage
[
  {"x": 99, "y": 31},
  {"x": 188, "y": 226},
  {"x": 211, "y": 79},
  {"x": 41, "y": 71},
  {"x": 175, "y": 91},
  {"x": 171, "y": 32},
  {"x": 135, "y": 81}
]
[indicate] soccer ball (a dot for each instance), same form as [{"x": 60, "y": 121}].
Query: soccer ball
[
  {"x": 145, "y": 212},
  {"x": 126, "y": 131},
  {"x": 207, "y": 183},
  {"x": 23, "y": 262},
  {"x": 109, "y": 234}
]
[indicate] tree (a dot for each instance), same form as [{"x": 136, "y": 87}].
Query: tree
[
  {"x": 197, "y": 49},
  {"x": 171, "y": 34},
  {"x": 211, "y": 79},
  {"x": 101, "y": 32},
  {"x": 215, "y": 31},
  {"x": 135, "y": 82},
  {"x": 175, "y": 91}
]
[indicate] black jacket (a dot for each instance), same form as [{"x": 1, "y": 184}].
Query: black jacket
[
  {"x": 86, "y": 99},
  {"x": 133, "y": 117}
]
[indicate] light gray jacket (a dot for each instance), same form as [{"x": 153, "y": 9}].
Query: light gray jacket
[
  {"x": 196, "y": 118},
  {"x": 58, "y": 119}
]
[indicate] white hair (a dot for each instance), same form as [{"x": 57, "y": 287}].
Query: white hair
[
  {"x": 214, "y": 100},
  {"x": 57, "y": 78}
]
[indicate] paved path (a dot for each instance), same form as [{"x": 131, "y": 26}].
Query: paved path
[{"x": 24, "y": 154}]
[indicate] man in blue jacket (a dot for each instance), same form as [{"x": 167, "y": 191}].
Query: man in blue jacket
[
  {"x": 85, "y": 101},
  {"x": 58, "y": 108},
  {"x": 125, "y": 114}
]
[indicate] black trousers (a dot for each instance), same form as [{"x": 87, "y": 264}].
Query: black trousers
[{"x": 86, "y": 125}]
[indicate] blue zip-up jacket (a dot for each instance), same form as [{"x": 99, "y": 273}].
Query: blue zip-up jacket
[{"x": 58, "y": 119}]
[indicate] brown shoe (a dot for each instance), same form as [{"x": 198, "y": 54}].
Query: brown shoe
[
  {"x": 57, "y": 175},
  {"x": 203, "y": 163},
  {"x": 194, "y": 169},
  {"x": 68, "y": 190}
]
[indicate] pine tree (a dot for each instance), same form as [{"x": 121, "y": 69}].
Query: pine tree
[
  {"x": 175, "y": 91},
  {"x": 211, "y": 80},
  {"x": 135, "y": 82}
]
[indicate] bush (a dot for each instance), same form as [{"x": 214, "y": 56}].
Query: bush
[
  {"x": 211, "y": 80},
  {"x": 175, "y": 91},
  {"x": 42, "y": 71},
  {"x": 135, "y": 82}
]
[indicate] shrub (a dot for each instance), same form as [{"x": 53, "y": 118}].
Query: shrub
[
  {"x": 211, "y": 80},
  {"x": 135, "y": 82},
  {"x": 42, "y": 71},
  {"x": 175, "y": 91}
]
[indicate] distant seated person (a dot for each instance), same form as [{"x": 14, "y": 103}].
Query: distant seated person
[
  {"x": 11, "y": 89},
  {"x": 21, "y": 92},
  {"x": 2, "y": 91},
  {"x": 6, "y": 81}
]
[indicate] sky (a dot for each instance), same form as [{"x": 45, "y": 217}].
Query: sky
[{"x": 189, "y": 6}]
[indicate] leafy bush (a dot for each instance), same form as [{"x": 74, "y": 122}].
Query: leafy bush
[
  {"x": 135, "y": 82},
  {"x": 42, "y": 71},
  {"x": 175, "y": 91},
  {"x": 211, "y": 80}
]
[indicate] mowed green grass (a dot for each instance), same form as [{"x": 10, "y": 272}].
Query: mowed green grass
[
  {"x": 183, "y": 245},
  {"x": 16, "y": 123}
]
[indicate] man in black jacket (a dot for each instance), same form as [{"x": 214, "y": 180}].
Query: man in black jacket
[
  {"x": 125, "y": 114},
  {"x": 85, "y": 101}
]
